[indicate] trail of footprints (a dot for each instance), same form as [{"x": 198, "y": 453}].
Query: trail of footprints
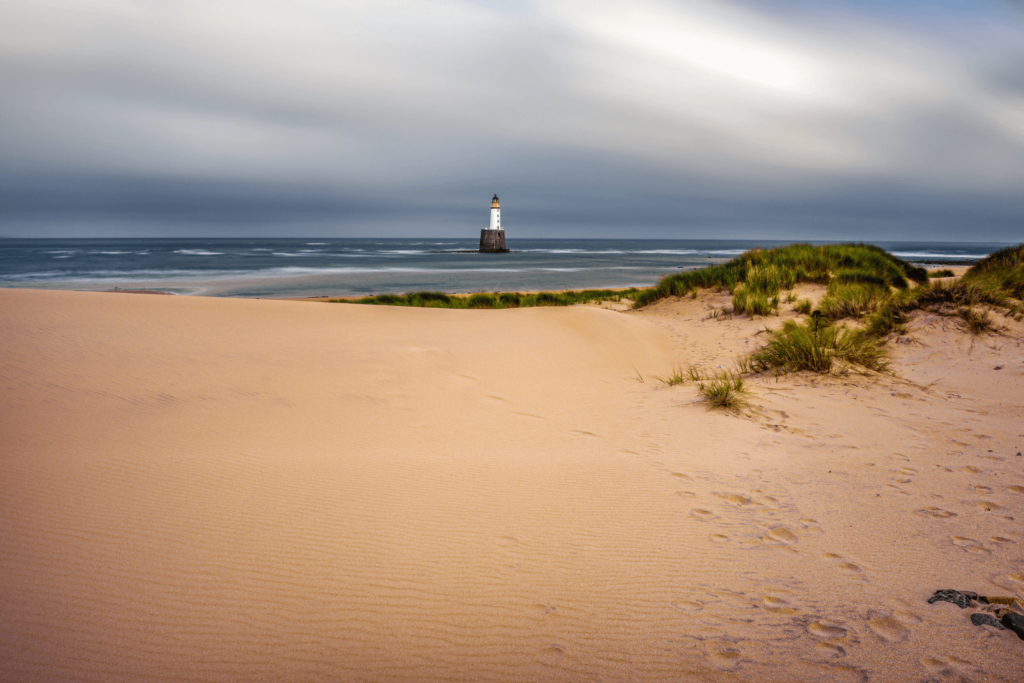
[
  {"x": 754, "y": 518},
  {"x": 982, "y": 496},
  {"x": 757, "y": 518}
]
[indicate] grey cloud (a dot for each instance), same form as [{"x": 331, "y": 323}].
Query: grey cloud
[{"x": 264, "y": 112}]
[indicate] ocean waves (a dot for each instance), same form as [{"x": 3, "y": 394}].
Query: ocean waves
[{"x": 335, "y": 266}]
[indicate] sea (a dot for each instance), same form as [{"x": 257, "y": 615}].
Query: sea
[{"x": 311, "y": 267}]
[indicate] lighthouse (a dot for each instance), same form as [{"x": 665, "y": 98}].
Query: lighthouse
[{"x": 492, "y": 238}]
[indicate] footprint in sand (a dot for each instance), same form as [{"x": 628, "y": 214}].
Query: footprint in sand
[
  {"x": 843, "y": 565},
  {"x": 988, "y": 506},
  {"x": 777, "y": 605},
  {"x": 820, "y": 630},
  {"x": 720, "y": 538},
  {"x": 686, "y": 494},
  {"x": 1017, "y": 578},
  {"x": 1015, "y": 489},
  {"x": 811, "y": 526},
  {"x": 541, "y": 610},
  {"x": 1000, "y": 539},
  {"x": 782, "y": 535},
  {"x": 736, "y": 499},
  {"x": 981, "y": 489},
  {"x": 973, "y": 470},
  {"x": 687, "y": 606},
  {"x": 687, "y": 477},
  {"x": 937, "y": 667},
  {"x": 703, "y": 515},
  {"x": 553, "y": 652},
  {"x": 889, "y": 629},
  {"x": 935, "y": 513},
  {"x": 970, "y": 545}
]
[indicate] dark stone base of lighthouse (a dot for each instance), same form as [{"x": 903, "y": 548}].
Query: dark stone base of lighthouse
[{"x": 493, "y": 242}]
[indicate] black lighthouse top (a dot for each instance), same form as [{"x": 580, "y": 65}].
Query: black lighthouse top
[{"x": 495, "y": 198}]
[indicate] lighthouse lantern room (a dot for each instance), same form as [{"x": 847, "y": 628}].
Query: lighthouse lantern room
[{"x": 492, "y": 238}]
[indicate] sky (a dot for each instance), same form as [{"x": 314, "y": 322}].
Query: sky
[{"x": 745, "y": 119}]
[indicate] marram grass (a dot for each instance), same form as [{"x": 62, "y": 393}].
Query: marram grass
[
  {"x": 766, "y": 272},
  {"x": 827, "y": 349},
  {"x": 724, "y": 391},
  {"x": 493, "y": 300}
]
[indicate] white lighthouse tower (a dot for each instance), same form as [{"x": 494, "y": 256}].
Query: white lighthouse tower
[
  {"x": 492, "y": 238},
  {"x": 495, "y": 214}
]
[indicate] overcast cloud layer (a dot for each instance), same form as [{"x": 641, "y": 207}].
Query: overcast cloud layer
[{"x": 648, "y": 118}]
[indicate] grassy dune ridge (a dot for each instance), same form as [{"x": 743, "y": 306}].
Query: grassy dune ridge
[{"x": 868, "y": 298}]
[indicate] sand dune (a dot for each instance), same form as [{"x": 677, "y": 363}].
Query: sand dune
[{"x": 210, "y": 489}]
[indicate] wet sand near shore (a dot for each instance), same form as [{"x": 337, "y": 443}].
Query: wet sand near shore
[{"x": 224, "y": 489}]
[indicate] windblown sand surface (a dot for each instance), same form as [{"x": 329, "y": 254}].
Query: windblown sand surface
[{"x": 208, "y": 489}]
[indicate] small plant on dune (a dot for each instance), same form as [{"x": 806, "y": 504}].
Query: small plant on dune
[
  {"x": 976, "y": 320},
  {"x": 427, "y": 298},
  {"x": 481, "y": 300},
  {"x": 943, "y": 272},
  {"x": 790, "y": 297},
  {"x": 724, "y": 391},
  {"x": 548, "y": 299},
  {"x": 510, "y": 299},
  {"x": 386, "y": 299},
  {"x": 746, "y": 300},
  {"x": 803, "y": 307},
  {"x": 678, "y": 376},
  {"x": 823, "y": 348}
]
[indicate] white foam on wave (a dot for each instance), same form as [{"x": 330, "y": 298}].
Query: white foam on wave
[
  {"x": 283, "y": 271},
  {"x": 933, "y": 254},
  {"x": 198, "y": 252}
]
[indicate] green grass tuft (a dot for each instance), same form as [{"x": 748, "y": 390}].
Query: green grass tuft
[
  {"x": 845, "y": 299},
  {"x": 976, "y": 320},
  {"x": 482, "y": 300},
  {"x": 724, "y": 391},
  {"x": 829, "y": 350},
  {"x": 942, "y": 272},
  {"x": 677, "y": 376}
]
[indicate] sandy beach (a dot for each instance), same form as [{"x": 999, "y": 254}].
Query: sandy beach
[{"x": 201, "y": 489}]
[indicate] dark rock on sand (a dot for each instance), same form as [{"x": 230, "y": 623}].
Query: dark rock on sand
[
  {"x": 1014, "y": 622},
  {"x": 961, "y": 600},
  {"x": 983, "y": 619}
]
